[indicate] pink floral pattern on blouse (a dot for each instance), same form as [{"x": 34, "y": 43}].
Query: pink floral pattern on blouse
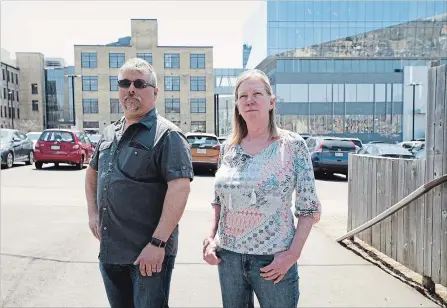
[{"x": 255, "y": 195}]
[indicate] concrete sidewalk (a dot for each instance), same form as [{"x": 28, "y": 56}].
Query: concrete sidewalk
[{"x": 330, "y": 275}]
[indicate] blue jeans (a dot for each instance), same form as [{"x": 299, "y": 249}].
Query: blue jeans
[
  {"x": 127, "y": 288},
  {"x": 240, "y": 276}
]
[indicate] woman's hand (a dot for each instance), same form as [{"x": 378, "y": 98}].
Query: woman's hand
[
  {"x": 209, "y": 251},
  {"x": 280, "y": 265}
]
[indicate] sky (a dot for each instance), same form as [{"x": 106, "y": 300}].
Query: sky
[{"x": 54, "y": 27}]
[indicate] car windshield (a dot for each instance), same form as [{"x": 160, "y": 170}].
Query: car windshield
[
  {"x": 60, "y": 136},
  {"x": 94, "y": 138},
  {"x": 207, "y": 140},
  {"x": 33, "y": 136},
  {"x": 337, "y": 145}
]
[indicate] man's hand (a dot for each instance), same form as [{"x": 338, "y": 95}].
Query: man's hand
[
  {"x": 93, "y": 223},
  {"x": 209, "y": 252},
  {"x": 150, "y": 260},
  {"x": 280, "y": 265}
]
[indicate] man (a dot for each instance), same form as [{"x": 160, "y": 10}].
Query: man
[{"x": 137, "y": 185}]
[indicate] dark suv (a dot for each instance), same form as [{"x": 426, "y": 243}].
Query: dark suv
[{"x": 330, "y": 155}]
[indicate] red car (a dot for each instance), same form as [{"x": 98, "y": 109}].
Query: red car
[{"x": 63, "y": 146}]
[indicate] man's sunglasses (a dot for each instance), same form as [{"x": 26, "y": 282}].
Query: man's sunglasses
[{"x": 137, "y": 83}]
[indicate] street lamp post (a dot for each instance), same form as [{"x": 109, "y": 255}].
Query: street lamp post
[
  {"x": 414, "y": 85},
  {"x": 72, "y": 76}
]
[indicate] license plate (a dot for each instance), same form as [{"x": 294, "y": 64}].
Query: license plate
[
  {"x": 201, "y": 151},
  {"x": 339, "y": 154},
  {"x": 55, "y": 147}
]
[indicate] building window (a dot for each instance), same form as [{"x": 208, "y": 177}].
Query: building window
[
  {"x": 18, "y": 113},
  {"x": 89, "y": 83},
  {"x": 113, "y": 83},
  {"x": 88, "y": 59},
  {"x": 176, "y": 123},
  {"x": 34, "y": 88},
  {"x": 172, "y": 60},
  {"x": 145, "y": 56},
  {"x": 17, "y": 95},
  {"x": 116, "y": 60},
  {"x": 17, "y": 79},
  {"x": 3, "y": 73},
  {"x": 35, "y": 105},
  {"x": 90, "y": 105},
  {"x": 198, "y": 126},
  {"x": 197, "y": 60},
  {"x": 172, "y": 105},
  {"x": 198, "y": 84},
  {"x": 12, "y": 77},
  {"x": 115, "y": 106},
  {"x": 12, "y": 96},
  {"x": 4, "y": 93},
  {"x": 90, "y": 124},
  {"x": 198, "y": 105},
  {"x": 172, "y": 83}
]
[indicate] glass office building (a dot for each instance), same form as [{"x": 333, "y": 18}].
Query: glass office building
[
  {"x": 224, "y": 82},
  {"x": 59, "y": 96},
  {"x": 55, "y": 96},
  {"x": 338, "y": 66}
]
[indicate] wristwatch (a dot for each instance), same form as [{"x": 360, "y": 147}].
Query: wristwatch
[{"x": 157, "y": 242}]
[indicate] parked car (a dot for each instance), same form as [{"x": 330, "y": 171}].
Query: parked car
[
  {"x": 305, "y": 136},
  {"x": 63, "y": 146},
  {"x": 94, "y": 138},
  {"x": 356, "y": 141},
  {"x": 15, "y": 147},
  {"x": 34, "y": 136},
  {"x": 330, "y": 154},
  {"x": 412, "y": 146},
  {"x": 205, "y": 149},
  {"x": 222, "y": 139},
  {"x": 420, "y": 154},
  {"x": 386, "y": 150}
]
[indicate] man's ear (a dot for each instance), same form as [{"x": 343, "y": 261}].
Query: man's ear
[{"x": 155, "y": 91}]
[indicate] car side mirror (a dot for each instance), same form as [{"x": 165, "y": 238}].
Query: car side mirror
[{"x": 15, "y": 139}]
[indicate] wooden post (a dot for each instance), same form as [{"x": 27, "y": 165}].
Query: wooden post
[{"x": 435, "y": 231}]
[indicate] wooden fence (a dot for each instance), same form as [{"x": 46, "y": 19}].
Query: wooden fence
[{"x": 416, "y": 235}]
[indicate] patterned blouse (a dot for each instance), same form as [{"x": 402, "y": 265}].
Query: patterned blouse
[{"x": 255, "y": 195}]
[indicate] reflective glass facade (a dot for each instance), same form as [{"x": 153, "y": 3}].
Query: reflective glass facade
[
  {"x": 225, "y": 79},
  {"x": 337, "y": 67},
  {"x": 357, "y": 28},
  {"x": 224, "y": 83},
  {"x": 55, "y": 97},
  {"x": 371, "y": 111}
]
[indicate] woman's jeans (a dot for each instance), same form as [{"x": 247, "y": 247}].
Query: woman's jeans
[
  {"x": 126, "y": 287},
  {"x": 240, "y": 275}
]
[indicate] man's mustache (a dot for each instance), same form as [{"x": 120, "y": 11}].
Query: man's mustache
[{"x": 132, "y": 97}]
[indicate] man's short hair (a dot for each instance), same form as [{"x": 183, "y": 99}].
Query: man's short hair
[{"x": 140, "y": 66}]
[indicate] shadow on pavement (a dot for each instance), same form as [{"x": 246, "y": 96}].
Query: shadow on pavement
[
  {"x": 331, "y": 177},
  {"x": 51, "y": 167},
  {"x": 14, "y": 166},
  {"x": 203, "y": 172}
]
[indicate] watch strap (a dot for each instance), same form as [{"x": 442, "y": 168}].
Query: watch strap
[{"x": 157, "y": 242}]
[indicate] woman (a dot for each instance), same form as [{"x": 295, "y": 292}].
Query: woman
[{"x": 257, "y": 245}]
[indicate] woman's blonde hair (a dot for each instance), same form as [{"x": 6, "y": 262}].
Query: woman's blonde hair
[{"x": 239, "y": 130}]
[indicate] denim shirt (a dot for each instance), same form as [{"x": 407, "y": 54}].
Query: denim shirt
[{"x": 134, "y": 167}]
